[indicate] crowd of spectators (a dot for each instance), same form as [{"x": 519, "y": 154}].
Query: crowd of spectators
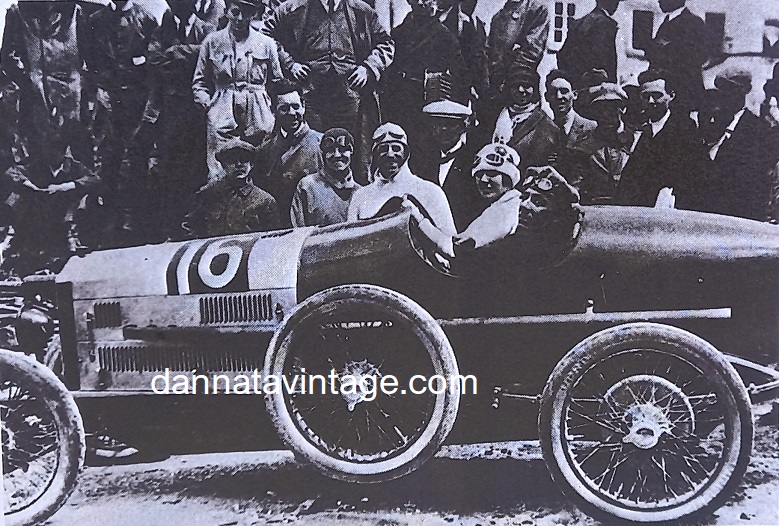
[{"x": 233, "y": 116}]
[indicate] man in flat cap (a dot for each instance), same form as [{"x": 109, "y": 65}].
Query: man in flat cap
[
  {"x": 392, "y": 178},
  {"x": 322, "y": 198},
  {"x": 611, "y": 142},
  {"x": 448, "y": 158},
  {"x": 741, "y": 158},
  {"x": 233, "y": 204}
]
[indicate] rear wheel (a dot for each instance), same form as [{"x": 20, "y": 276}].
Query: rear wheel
[
  {"x": 42, "y": 440},
  {"x": 647, "y": 423},
  {"x": 360, "y": 433}
]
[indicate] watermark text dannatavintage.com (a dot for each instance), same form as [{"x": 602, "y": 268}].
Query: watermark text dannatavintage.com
[{"x": 367, "y": 386}]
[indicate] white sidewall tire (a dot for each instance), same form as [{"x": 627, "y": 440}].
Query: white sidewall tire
[
  {"x": 673, "y": 340},
  {"x": 45, "y": 386},
  {"x": 443, "y": 362}
]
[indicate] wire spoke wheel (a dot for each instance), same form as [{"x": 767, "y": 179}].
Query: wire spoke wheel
[
  {"x": 42, "y": 439},
  {"x": 335, "y": 353},
  {"x": 646, "y": 423}
]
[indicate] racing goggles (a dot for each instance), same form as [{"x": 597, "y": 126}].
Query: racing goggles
[
  {"x": 342, "y": 142},
  {"x": 385, "y": 148},
  {"x": 389, "y": 133}
]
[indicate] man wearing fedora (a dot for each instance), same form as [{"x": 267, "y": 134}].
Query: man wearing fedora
[{"x": 234, "y": 204}]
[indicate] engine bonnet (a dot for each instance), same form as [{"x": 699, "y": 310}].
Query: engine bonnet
[{"x": 256, "y": 261}]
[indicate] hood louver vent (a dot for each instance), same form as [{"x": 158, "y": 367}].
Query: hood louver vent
[
  {"x": 236, "y": 308},
  {"x": 125, "y": 358},
  {"x": 108, "y": 314}
]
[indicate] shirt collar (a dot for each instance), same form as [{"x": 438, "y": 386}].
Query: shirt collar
[
  {"x": 301, "y": 131},
  {"x": 603, "y": 10},
  {"x": 675, "y": 13},
  {"x": 459, "y": 144},
  {"x": 658, "y": 126},
  {"x": 568, "y": 122},
  {"x": 246, "y": 189},
  {"x": 188, "y": 25},
  {"x": 324, "y": 4}
]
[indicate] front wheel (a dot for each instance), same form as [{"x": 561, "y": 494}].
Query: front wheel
[
  {"x": 42, "y": 440},
  {"x": 347, "y": 341},
  {"x": 646, "y": 423}
]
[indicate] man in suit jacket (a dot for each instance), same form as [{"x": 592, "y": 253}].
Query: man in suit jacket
[
  {"x": 742, "y": 158},
  {"x": 293, "y": 150},
  {"x": 571, "y": 153},
  {"x": 667, "y": 154},
  {"x": 679, "y": 48},
  {"x": 591, "y": 44},
  {"x": 447, "y": 159},
  {"x": 523, "y": 124}
]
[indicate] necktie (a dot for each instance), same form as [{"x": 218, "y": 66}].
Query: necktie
[{"x": 330, "y": 7}]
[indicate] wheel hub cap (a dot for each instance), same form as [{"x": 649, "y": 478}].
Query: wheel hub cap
[
  {"x": 649, "y": 423},
  {"x": 365, "y": 376},
  {"x": 650, "y": 406}
]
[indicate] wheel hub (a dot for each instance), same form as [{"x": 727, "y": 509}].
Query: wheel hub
[
  {"x": 366, "y": 377},
  {"x": 649, "y": 422},
  {"x": 651, "y": 406}
]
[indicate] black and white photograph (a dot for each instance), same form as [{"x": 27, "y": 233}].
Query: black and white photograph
[{"x": 389, "y": 262}]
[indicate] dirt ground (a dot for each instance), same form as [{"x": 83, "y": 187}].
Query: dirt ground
[{"x": 487, "y": 484}]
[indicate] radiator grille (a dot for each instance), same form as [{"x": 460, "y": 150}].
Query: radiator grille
[
  {"x": 122, "y": 359},
  {"x": 108, "y": 314},
  {"x": 236, "y": 308}
]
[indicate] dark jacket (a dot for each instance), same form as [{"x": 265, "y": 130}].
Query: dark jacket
[
  {"x": 673, "y": 158},
  {"x": 573, "y": 150},
  {"x": 680, "y": 49},
  {"x": 591, "y": 43},
  {"x": 373, "y": 47},
  {"x": 223, "y": 210},
  {"x": 471, "y": 33},
  {"x": 421, "y": 44},
  {"x": 284, "y": 161},
  {"x": 459, "y": 185},
  {"x": 740, "y": 181},
  {"x": 518, "y": 34},
  {"x": 118, "y": 41}
]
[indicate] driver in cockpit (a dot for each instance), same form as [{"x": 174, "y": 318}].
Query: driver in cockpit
[{"x": 543, "y": 199}]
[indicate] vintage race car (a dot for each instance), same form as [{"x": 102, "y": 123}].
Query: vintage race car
[{"x": 639, "y": 334}]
